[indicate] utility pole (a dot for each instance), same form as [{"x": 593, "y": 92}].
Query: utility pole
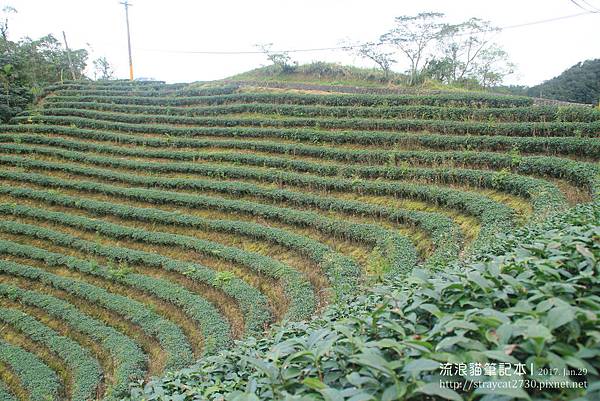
[
  {"x": 127, "y": 4},
  {"x": 71, "y": 67}
]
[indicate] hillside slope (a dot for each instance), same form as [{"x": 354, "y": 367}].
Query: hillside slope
[
  {"x": 580, "y": 84},
  {"x": 152, "y": 225},
  {"x": 530, "y": 304}
]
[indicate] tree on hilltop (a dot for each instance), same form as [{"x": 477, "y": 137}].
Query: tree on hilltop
[
  {"x": 28, "y": 64},
  {"x": 102, "y": 68},
  {"x": 281, "y": 60},
  {"x": 413, "y": 36}
]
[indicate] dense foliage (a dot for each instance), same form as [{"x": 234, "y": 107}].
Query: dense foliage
[
  {"x": 86, "y": 370},
  {"x": 474, "y": 99},
  {"x": 27, "y": 65},
  {"x": 129, "y": 359},
  {"x": 122, "y": 122},
  {"x": 580, "y": 84},
  {"x": 536, "y": 304},
  {"x": 40, "y": 381},
  {"x": 491, "y": 114},
  {"x": 179, "y": 138}
]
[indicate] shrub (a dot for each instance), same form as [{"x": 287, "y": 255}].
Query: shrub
[{"x": 536, "y": 304}]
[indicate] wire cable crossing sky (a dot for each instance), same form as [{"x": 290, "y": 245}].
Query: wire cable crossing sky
[{"x": 344, "y": 48}]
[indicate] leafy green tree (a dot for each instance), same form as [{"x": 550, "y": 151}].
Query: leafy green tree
[
  {"x": 44, "y": 61},
  {"x": 281, "y": 60},
  {"x": 102, "y": 68},
  {"x": 28, "y": 65},
  {"x": 492, "y": 66},
  {"x": 467, "y": 55},
  {"x": 377, "y": 53},
  {"x": 439, "y": 69},
  {"x": 461, "y": 46},
  {"x": 4, "y": 24},
  {"x": 450, "y": 53},
  {"x": 414, "y": 36}
]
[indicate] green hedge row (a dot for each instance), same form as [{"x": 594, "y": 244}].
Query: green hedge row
[
  {"x": 253, "y": 304},
  {"x": 83, "y": 367},
  {"x": 535, "y": 306},
  {"x": 298, "y": 290},
  {"x": 581, "y": 147},
  {"x": 215, "y": 330},
  {"x": 108, "y": 83},
  {"x": 143, "y": 123},
  {"x": 145, "y": 91},
  {"x": 402, "y": 252},
  {"x": 122, "y": 122},
  {"x": 444, "y": 99},
  {"x": 514, "y": 114},
  {"x": 128, "y": 359},
  {"x": 342, "y": 272},
  {"x": 40, "y": 382},
  {"x": 169, "y": 335},
  {"x": 111, "y": 84},
  {"x": 120, "y": 85},
  {"x": 544, "y": 195},
  {"x": 191, "y": 90},
  {"x": 5, "y": 394},
  {"x": 444, "y": 233},
  {"x": 495, "y": 217},
  {"x": 116, "y": 91},
  {"x": 579, "y": 173}
]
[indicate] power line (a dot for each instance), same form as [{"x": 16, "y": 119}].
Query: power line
[
  {"x": 578, "y": 5},
  {"x": 208, "y": 52},
  {"x": 252, "y": 51},
  {"x": 583, "y": 8},
  {"x": 593, "y": 7},
  {"x": 547, "y": 20}
]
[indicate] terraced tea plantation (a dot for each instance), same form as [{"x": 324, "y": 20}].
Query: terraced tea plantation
[{"x": 145, "y": 225}]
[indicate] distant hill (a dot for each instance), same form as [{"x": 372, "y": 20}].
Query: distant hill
[
  {"x": 580, "y": 84},
  {"x": 323, "y": 73},
  {"x": 333, "y": 74}
]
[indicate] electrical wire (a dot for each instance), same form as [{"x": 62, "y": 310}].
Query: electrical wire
[
  {"x": 585, "y": 9},
  {"x": 345, "y": 48},
  {"x": 252, "y": 51},
  {"x": 593, "y": 7},
  {"x": 578, "y": 5}
]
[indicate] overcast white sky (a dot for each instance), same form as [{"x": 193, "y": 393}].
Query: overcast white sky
[{"x": 540, "y": 51}]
